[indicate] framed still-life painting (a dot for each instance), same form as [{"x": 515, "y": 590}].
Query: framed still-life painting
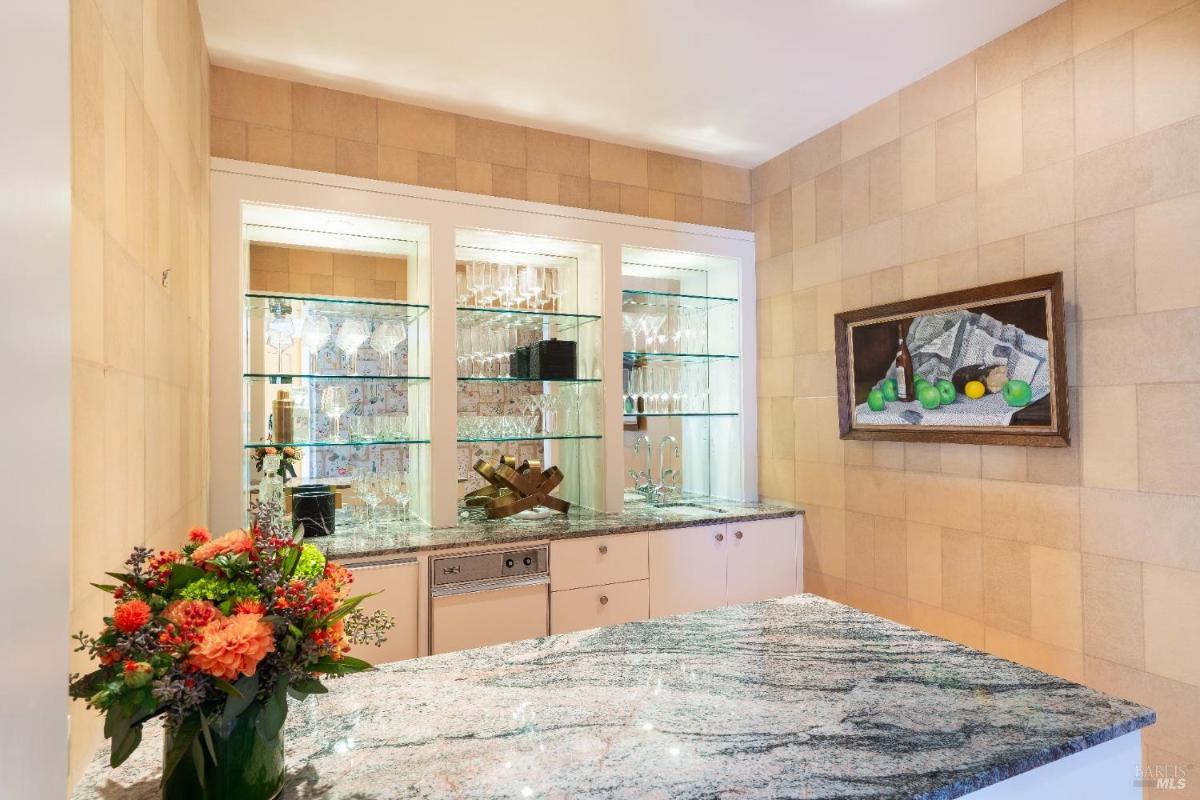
[{"x": 977, "y": 366}]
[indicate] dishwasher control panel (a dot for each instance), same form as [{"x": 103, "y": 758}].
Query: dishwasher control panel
[{"x": 490, "y": 566}]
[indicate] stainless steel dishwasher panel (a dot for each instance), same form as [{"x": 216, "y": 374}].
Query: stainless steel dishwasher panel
[{"x": 481, "y": 599}]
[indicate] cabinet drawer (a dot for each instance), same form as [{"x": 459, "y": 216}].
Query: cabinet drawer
[
  {"x": 396, "y": 582},
  {"x": 598, "y": 560},
  {"x": 597, "y": 606}
]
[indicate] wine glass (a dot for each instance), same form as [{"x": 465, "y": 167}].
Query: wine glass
[
  {"x": 529, "y": 284},
  {"x": 384, "y": 339},
  {"x": 350, "y": 337},
  {"x": 314, "y": 335},
  {"x": 553, "y": 279},
  {"x": 280, "y": 332},
  {"x": 395, "y": 485},
  {"x": 334, "y": 402}
]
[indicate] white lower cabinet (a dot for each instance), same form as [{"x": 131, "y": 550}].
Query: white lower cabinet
[
  {"x": 692, "y": 569},
  {"x": 762, "y": 560},
  {"x": 687, "y": 569},
  {"x": 597, "y": 606},
  {"x": 397, "y": 582}
]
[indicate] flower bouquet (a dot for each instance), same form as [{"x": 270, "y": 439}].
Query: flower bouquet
[
  {"x": 214, "y": 638},
  {"x": 288, "y": 456}
]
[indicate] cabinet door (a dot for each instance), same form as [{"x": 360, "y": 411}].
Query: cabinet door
[
  {"x": 687, "y": 569},
  {"x": 396, "y": 580},
  {"x": 762, "y": 560},
  {"x": 598, "y": 606}
]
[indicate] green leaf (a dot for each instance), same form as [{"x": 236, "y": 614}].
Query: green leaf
[
  {"x": 124, "y": 744},
  {"x": 106, "y": 587},
  {"x": 342, "y": 610},
  {"x": 87, "y": 685},
  {"x": 288, "y": 568},
  {"x": 226, "y": 687},
  {"x": 246, "y": 687},
  {"x": 123, "y": 577},
  {"x": 306, "y": 686},
  {"x": 182, "y": 575},
  {"x": 198, "y": 761},
  {"x": 344, "y": 666},
  {"x": 274, "y": 712},
  {"x": 204, "y": 729},
  {"x": 181, "y": 740}
]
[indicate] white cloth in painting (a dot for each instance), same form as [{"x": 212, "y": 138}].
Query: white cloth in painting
[{"x": 940, "y": 344}]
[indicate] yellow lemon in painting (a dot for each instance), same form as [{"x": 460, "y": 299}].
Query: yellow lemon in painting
[{"x": 974, "y": 389}]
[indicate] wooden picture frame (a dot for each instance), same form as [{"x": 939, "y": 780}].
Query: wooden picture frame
[{"x": 1027, "y": 316}]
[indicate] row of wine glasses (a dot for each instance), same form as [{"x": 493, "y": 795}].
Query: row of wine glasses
[
  {"x": 488, "y": 284},
  {"x": 372, "y": 489},
  {"x": 317, "y": 330},
  {"x": 485, "y": 351},
  {"x": 335, "y": 402},
  {"x": 667, "y": 389},
  {"x": 556, "y": 414},
  {"x": 665, "y": 329}
]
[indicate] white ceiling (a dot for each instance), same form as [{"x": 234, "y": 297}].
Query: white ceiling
[{"x": 734, "y": 81}]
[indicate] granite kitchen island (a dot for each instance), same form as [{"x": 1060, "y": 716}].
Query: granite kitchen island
[{"x": 794, "y": 698}]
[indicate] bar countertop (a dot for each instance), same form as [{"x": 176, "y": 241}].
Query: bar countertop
[
  {"x": 798, "y": 697},
  {"x": 391, "y": 538}
]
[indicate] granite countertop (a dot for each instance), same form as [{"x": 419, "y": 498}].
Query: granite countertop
[
  {"x": 356, "y": 540},
  {"x": 799, "y": 697}
]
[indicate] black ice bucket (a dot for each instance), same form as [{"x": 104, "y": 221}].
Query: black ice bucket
[{"x": 313, "y": 507}]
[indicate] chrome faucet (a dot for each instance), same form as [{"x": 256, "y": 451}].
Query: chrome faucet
[
  {"x": 644, "y": 483},
  {"x": 668, "y": 479}
]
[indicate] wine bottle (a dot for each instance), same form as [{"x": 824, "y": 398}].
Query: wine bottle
[{"x": 904, "y": 369}]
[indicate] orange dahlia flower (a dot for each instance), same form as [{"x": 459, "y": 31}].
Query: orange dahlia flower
[
  {"x": 231, "y": 647},
  {"x": 129, "y": 617},
  {"x": 199, "y": 535},
  {"x": 249, "y": 606},
  {"x": 236, "y": 541}
]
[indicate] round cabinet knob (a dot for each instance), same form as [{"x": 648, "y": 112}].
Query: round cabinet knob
[
  {"x": 603, "y": 549},
  {"x": 508, "y": 562},
  {"x": 603, "y": 599},
  {"x": 529, "y": 561},
  {"x": 738, "y": 535},
  {"x": 720, "y": 537}
]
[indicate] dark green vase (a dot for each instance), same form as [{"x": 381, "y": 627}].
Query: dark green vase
[{"x": 247, "y": 767}]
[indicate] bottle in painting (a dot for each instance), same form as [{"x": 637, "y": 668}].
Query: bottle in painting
[{"x": 904, "y": 369}]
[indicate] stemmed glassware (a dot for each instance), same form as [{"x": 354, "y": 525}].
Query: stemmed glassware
[
  {"x": 334, "y": 403},
  {"x": 531, "y": 287},
  {"x": 384, "y": 339},
  {"x": 350, "y": 337},
  {"x": 395, "y": 486},
  {"x": 314, "y": 335},
  {"x": 667, "y": 389},
  {"x": 280, "y": 333}
]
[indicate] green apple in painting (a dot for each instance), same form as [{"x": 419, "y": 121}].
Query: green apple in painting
[
  {"x": 888, "y": 388},
  {"x": 1017, "y": 393},
  {"x": 875, "y": 400},
  {"x": 946, "y": 391},
  {"x": 929, "y": 396}
]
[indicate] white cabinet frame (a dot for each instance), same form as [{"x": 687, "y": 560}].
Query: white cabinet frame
[{"x": 236, "y": 184}]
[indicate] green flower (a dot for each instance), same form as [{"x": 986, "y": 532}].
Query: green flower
[
  {"x": 217, "y": 589},
  {"x": 311, "y": 564}
]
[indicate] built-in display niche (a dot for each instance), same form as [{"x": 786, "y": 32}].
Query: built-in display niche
[
  {"x": 336, "y": 363},
  {"x": 528, "y": 361},
  {"x": 681, "y": 377}
]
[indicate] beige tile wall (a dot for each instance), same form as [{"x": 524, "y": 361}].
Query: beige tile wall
[
  {"x": 1071, "y": 143},
  {"x": 256, "y": 118},
  {"x": 139, "y": 91},
  {"x": 326, "y": 272}
]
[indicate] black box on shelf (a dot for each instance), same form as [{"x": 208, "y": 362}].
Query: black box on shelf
[
  {"x": 518, "y": 363},
  {"x": 552, "y": 359}
]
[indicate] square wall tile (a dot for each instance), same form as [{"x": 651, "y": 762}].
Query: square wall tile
[
  {"x": 1168, "y": 432},
  {"x": 721, "y": 182},
  {"x": 1048, "y": 117},
  {"x": 1166, "y": 162},
  {"x": 671, "y": 173},
  {"x": 816, "y": 155},
  {"x": 422, "y": 130},
  {"x": 1166, "y": 69},
  {"x": 918, "y": 157},
  {"x": 1056, "y": 584},
  {"x": 1037, "y": 45},
  {"x": 875, "y": 125},
  {"x": 1006, "y": 585},
  {"x": 1171, "y": 603},
  {"x": 1098, "y": 21},
  {"x": 556, "y": 153},
  {"x": 1032, "y": 512},
  {"x": 1154, "y": 528},
  {"x": 1104, "y": 95},
  {"x": 1104, "y": 266},
  {"x": 856, "y": 193},
  {"x": 343, "y": 115},
  {"x": 1028, "y": 202},
  {"x": 956, "y": 156},
  {"x": 999, "y": 129},
  {"x": 490, "y": 142},
  {"x": 1167, "y": 240},
  {"x": 252, "y": 98},
  {"x": 962, "y": 573},
  {"x": 924, "y": 563},
  {"x": 938, "y": 95},
  {"x": 945, "y": 500},
  {"x": 885, "y": 179},
  {"x": 1112, "y": 610},
  {"x": 828, "y": 190}
]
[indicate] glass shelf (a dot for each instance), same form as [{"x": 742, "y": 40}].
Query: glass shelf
[
  {"x": 678, "y": 357},
  {"x": 254, "y": 445},
  {"x": 685, "y": 414},
  {"x": 350, "y": 306},
  {"x": 645, "y": 297},
  {"x": 532, "y": 438},
  {"x": 285, "y": 378},
  {"x": 523, "y": 319},
  {"x": 530, "y": 380}
]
